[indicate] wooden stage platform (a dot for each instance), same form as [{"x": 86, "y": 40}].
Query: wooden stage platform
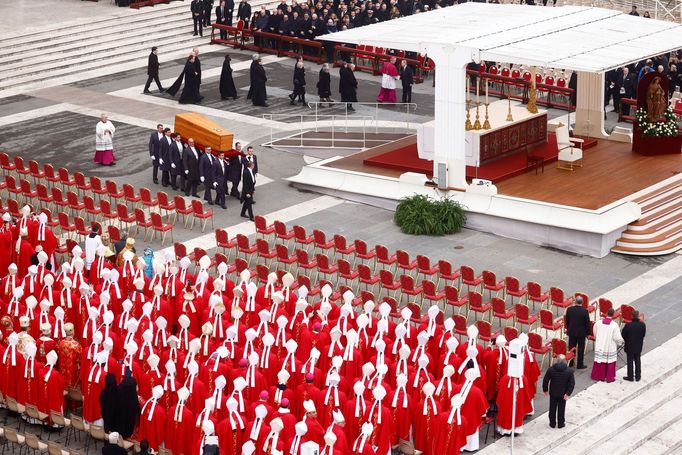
[{"x": 611, "y": 172}]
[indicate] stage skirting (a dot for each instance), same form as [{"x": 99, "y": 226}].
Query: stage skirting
[{"x": 406, "y": 158}]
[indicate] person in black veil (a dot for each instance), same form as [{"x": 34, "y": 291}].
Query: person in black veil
[
  {"x": 190, "y": 90},
  {"x": 258, "y": 92},
  {"x": 324, "y": 89},
  {"x": 299, "y": 84},
  {"x": 252, "y": 69},
  {"x": 227, "y": 88},
  {"x": 130, "y": 405},
  {"x": 110, "y": 403}
]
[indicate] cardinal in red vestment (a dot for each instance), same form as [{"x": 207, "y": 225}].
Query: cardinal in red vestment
[
  {"x": 504, "y": 401},
  {"x": 153, "y": 420}
]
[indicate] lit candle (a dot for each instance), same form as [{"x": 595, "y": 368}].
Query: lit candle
[
  {"x": 468, "y": 95},
  {"x": 478, "y": 99},
  {"x": 486, "y": 92}
]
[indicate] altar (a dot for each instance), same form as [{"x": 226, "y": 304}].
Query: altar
[{"x": 502, "y": 139}]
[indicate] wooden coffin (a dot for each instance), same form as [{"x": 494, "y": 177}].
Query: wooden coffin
[{"x": 203, "y": 131}]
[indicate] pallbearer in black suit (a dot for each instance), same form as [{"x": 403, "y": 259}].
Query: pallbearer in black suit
[
  {"x": 153, "y": 71},
  {"x": 250, "y": 158},
  {"x": 176, "y": 153},
  {"x": 190, "y": 164},
  {"x": 248, "y": 189},
  {"x": 155, "y": 150},
  {"x": 236, "y": 170},
  {"x": 220, "y": 174},
  {"x": 206, "y": 173},
  {"x": 165, "y": 157}
]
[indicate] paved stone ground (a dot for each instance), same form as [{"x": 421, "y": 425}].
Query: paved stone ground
[{"x": 66, "y": 138}]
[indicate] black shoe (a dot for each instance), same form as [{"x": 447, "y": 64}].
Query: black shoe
[
  {"x": 561, "y": 425},
  {"x": 175, "y": 188},
  {"x": 236, "y": 97},
  {"x": 625, "y": 378},
  {"x": 196, "y": 196},
  {"x": 147, "y": 92},
  {"x": 581, "y": 367},
  {"x": 637, "y": 379},
  {"x": 292, "y": 103},
  {"x": 195, "y": 34},
  {"x": 292, "y": 96},
  {"x": 266, "y": 105},
  {"x": 161, "y": 90},
  {"x": 553, "y": 425},
  {"x": 156, "y": 182},
  {"x": 223, "y": 206},
  {"x": 165, "y": 185},
  {"x": 243, "y": 216},
  {"x": 250, "y": 219}
]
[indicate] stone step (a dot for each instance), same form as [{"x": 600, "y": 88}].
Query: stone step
[
  {"x": 139, "y": 56},
  {"x": 117, "y": 17},
  {"x": 656, "y": 226},
  {"x": 127, "y": 42},
  {"x": 599, "y": 404},
  {"x": 664, "y": 249},
  {"x": 670, "y": 234},
  {"x": 48, "y": 49},
  {"x": 617, "y": 423},
  {"x": 667, "y": 442}
]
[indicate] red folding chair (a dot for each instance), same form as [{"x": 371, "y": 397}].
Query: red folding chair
[
  {"x": 65, "y": 179},
  {"x": 510, "y": 333},
  {"x": 303, "y": 261},
  {"x": 75, "y": 205},
  {"x": 166, "y": 205},
  {"x": 388, "y": 282},
  {"x": 604, "y": 306},
  {"x": 130, "y": 196},
  {"x": 90, "y": 207},
  {"x": 108, "y": 213},
  {"x": 485, "y": 331},
  {"x": 283, "y": 256},
  {"x": 58, "y": 199},
  {"x": 363, "y": 252},
  {"x": 263, "y": 250},
  {"x": 452, "y": 298},
  {"x": 460, "y": 325},
  {"x": 13, "y": 207},
  {"x": 123, "y": 215},
  {"x": 341, "y": 246},
  {"x": 321, "y": 241},
  {"x": 447, "y": 273},
  {"x": 404, "y": 263},
  {"x": 12, "y": 186},
  {"x": 262, "y": 227},
  {"x": 282, "y": 233},
  {"x": 20, "y": 169},
  {"x": 200, "y": 213},
  {"x": 366, "y": 276},
  {"x": 500, "y": 310},
  {"x": 324, "y": 265},
  {"x": 5, "y": 163},
  {"x": 43, "y": 197},
  {"x": 524, "y": 316},
  {"x": 95, "y": 184},
  {"x": 180, "y": 251},
  {"x": 408, "y": 287},
  {"x": 469, "y": 277},
  {"x": 491, "y": 284},
  {"x": 303, "y": 280},
  {"x": 538, "y": 347},
  {"x": 82, "y": 184},
  {"x": 147, "y": 200},
  {"x": 424, "y": 266},
  {"x": 302, "y": 238},
  {"x": 559, "y": 347},
  {"x": 114, "y": 193},
  {"x": 431, "y": 293},
  {"x": 626, "y": 313},
  {"x": 513, "y": 288},
  {"x": 559, "y": 300},
  {"x": 535, "y": 294},
  {"x": 384, "y": 257},
  {"x": 141, "y": 221},
  {"x": 547, "y": 322},
  {"x": 28, "y": 192},
  {"x": 64, "y": 225},
  {"x": 477, "y": 306},
  {"x": 223, "y": 241},
  {"x": 346, "y": 271},
  {"x": 182, "y": 209},
  {"x": 35, "y": 171},
  {"x": 114, "y": 233},
  {"x": 81, "y": 228}
]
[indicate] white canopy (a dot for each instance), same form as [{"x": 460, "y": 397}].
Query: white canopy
[{"x": 568, "y": 37}]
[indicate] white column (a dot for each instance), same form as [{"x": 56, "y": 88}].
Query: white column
[
  {"x": 450, "y": 96},
  {"x": 589, "y": 112}
]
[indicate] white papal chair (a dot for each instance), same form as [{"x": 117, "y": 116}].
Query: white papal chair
[{"x": 570, "y": 149}]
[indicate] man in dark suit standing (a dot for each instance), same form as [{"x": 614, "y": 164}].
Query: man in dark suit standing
[
  {"x": 407, "y": 79},
  {"x": 190, "y": 164},
  {"x": 236, "y": 170},
  {"x": 176, "y": 154},
  {"x": 197, "y": 8},
  {"x": 577, "y": 329},
  {"x": 248, "y": 188},
  {"x": 221, "y": 18},
  {"x": 220, "y": 174},
  {"x": 244, "y": 12},
  {"x": 155, "y": 150},
  {"x": 206, "y": 173},
  {"x": 165, "y": 157},
  {"x": 208, "y": 9},
  {"x": 153, "y": 71},
  {"x": 625, "y": 89},
  {"x": 633, "y": 334},
  {"x": 250, "y": 158},
  {"x": 558, "y": 383}
]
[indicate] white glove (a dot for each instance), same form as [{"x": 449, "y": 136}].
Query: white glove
[
  {"x": 215, "y": 184},
  {"x": 153, "y": 157},
  {"x": 202, "y": 179},
  {"x": 160, "y": 161},
  {"x": 187, "y": 171},
  {"x": 173, "y": 165}
]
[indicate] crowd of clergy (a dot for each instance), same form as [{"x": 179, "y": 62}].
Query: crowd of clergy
[{"x": 185, "y": 359}]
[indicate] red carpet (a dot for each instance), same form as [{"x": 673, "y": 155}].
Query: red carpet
[{"x": 407, "y": 159}]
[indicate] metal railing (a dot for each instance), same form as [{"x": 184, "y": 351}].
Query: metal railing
[{"x": 340, "y": 125}]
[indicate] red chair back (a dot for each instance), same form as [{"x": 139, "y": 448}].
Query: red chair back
[
  {"x": 79, "y": 177},
  {"x": 139, "y": 216},
  {"x": 340, "y": 242},
  {"x": 180, "y": 250},
  {"x": 444, "y": 268},
  {"x": 604, "y": 306},
  {"x": 499, "y": 305},
  {"x": 282, "y": 252},
  {"x": 451, "y": 293},
  {"x": 429, "y": 287},
  {"x": 403, "y": 258},
  {"x": 557, "y": 294},
  {"x": 300, "y": 234},
  {"x": 344, "y": 267},
  {"x": 512, "y": 284},
  {"x": 241, "y": 265},
  {"x": 423, "y": 262},
  {"x": 89, "y": 203},
  {"x": 511, "y": 333},
  {"x": 386, "y": 277},
  {"x": 534, "y": 290},
  {"x": 95, "y": 183},
  {"x": 475, "y": 299},
  {"x": 489, "y": 278},
  {"x": 522, "y": 311},
  {"x": 72, "y": 198},
  {"x": 485, "y": 330},
  {"x": 263, "y": 247},
  {"x": 243, "y": 242},
  {"x": 112, "y": 188},
  {"x": 180, "y": 203},
  {"x": 467, "y": 273},
  {"x": 546, "y": 318},
  {"x": 63, "y": 175},
  {"x": 146, "y": 196},
  {"x": 407, "y": 282},
  {"x": 322, "y": 260},
  {"x": 197, "y": 207},
  {"x": 361, "y": 247},
  {"x": 280, "y": 229},
  {"x": 460, "y": 324},
  {"x": 364, "y": 272},
  {"x": 535, "y": 341},
  {"x": 164, "y": 203},
  {"x": 367, "y": 296},
  {"x": 558, "y": 347},
  {"x": 221, "y": 237},
  {"x": 320, "y": 237},
  {"x": 114, "y": 233},
  {"x": 122, "y": 211},
  {"x": 382, "y": 253}
]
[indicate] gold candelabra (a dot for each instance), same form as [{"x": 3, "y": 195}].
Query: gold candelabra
[
  {"x": 509, "y": 114},
  {"x": 486, "y": 123},
  {"x": 477, "y": 122},
  {"x": 467, "y": 124}
]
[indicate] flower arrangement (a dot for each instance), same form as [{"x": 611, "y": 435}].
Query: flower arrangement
[{"x": 657, "y": 129}]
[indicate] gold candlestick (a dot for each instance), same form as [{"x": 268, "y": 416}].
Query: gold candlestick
[
  {"x": 509, "y": 114},
  {"x": 486, "y": 123},
  {"x": 477, "y": 122},
  {"x": 467, "y": 124}
]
